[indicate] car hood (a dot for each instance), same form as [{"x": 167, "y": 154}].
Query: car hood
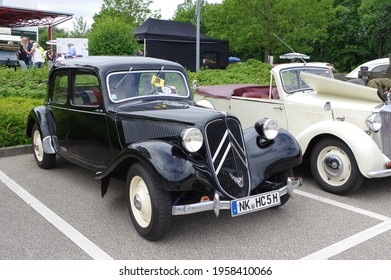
[
  {"x": 332, "y": 87},
  {"x": 169, "y": 111},
  {"x": 161, "y": 119}
]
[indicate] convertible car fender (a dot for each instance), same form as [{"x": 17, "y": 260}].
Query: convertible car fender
[
  {"x": 358, "y": 141},
  {"x": 43, "y": 117}
]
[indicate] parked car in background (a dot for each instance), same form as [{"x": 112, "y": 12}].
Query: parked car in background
[
  {"x": 343, "y": 129},
  {"x": 134, "y": 118},
  {"x": 377, "y": 65}
]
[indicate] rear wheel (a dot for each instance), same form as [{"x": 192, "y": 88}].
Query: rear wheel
[
  {"x": 44, "y": 160},
  {"x": 334, "y": 167},
  {"x": 149, "y": 205}
]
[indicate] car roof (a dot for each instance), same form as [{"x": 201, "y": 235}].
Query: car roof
[
  {"x": 119, "y": 63},
  {"x": 371, "y": 64}
]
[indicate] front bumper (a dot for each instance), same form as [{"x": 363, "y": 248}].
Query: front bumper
[
  {"x": 216, "y": 205},
  {"x": 380, "y": 173}
]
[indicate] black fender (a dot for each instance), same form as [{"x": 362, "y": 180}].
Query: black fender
[
  {"x": 43, "y": 116},
  {"x": 270, "y": 158},
  {"x": 170, "y": 162}
]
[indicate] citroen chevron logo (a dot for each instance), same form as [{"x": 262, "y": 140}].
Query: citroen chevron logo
[{"x": 238, "y": 180}]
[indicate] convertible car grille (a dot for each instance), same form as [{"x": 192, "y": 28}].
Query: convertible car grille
[
  {"x": 227, "y": 154},
  {"x": 385, "y": 132}
]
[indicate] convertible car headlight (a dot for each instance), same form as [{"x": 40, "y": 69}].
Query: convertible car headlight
[
  {"x": 192, "y": 139},
  {"x": 374, "y": 122},
  {"x": 268, "y": 128}
]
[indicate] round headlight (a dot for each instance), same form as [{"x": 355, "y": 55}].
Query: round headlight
[
  {"x": 270, "y": 129},
  {"x": 267, "y": 128},
  {"x": 374, "y": 122},
  {"x": 192, "y": 139}
]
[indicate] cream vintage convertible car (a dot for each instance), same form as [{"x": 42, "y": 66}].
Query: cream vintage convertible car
[{"x": 343, "y": 129}]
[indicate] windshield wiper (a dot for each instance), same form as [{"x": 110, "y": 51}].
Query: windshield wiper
[{"x": 130, "y": 69}]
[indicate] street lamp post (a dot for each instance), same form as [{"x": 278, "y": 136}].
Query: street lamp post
[{"x": 198, "y": 37}]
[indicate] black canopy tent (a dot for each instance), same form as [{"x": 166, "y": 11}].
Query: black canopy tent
[{"x": 176, "y": 41}]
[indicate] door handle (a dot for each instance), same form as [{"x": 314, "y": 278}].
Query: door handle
[{"x": 278, "y": 108}]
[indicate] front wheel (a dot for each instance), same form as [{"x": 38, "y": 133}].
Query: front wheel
[
  {"x": 334, "y": 167},
  {"x": 149, "y": 205},
  {"x": 44, "y": 160}
]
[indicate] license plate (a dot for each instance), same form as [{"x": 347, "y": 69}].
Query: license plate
[{"x": 255, "y": 203}]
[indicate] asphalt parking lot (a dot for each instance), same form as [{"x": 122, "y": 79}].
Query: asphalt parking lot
[{"x": 59, "y": 214}]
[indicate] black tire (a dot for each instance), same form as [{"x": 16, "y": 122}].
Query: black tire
[
  {"x": 44, "y": 160},
  {"x": 149, "y": 205},
  {"x": 334, "y": 167}
]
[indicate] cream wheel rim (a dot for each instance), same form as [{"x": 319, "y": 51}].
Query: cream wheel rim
[
  {"x": 37, "y": 145},
  {"x": 140, "y": 201}
]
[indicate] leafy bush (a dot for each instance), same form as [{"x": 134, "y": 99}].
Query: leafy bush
[
  {"x": 250, "y": 72},
  {"x": 13, "y": 117},
  {"x": 29, "y": 83}
]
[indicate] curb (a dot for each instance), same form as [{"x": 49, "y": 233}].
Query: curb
[{"x": 15, "y": 151}]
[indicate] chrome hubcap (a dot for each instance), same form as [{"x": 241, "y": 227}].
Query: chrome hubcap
[
  {"x": 333, "y": 166},
  {"x": 137, "y": 202}
]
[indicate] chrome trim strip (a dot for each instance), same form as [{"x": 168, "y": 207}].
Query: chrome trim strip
[
  {"x": 236, "y": 141},
  {"x": 216, "y": 205},
  {"x": 220, "y": 146},
  {"x": 223, "y": 158}
]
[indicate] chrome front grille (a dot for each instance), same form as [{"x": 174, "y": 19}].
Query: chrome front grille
[
  {"x": 385, "y": 131},
  {"x": 227, "y": 156}
]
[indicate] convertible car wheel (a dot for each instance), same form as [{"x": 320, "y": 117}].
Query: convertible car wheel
[
  {"x": 44, "y": 160},
  {"x": 149, "y": 206},
  {"x": 334, "y": 167}
]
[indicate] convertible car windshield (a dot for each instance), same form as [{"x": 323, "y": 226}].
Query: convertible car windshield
[
  {"x": 137, "y": 84},
  {"x": 292, "y": 82}
]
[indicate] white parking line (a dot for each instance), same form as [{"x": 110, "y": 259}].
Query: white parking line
[
  {"x": 349, "y": 242},
  {"x": 343, "y": 205},
  {"x": 79, "y": 239},
  {"x": 353, "y": 240}
]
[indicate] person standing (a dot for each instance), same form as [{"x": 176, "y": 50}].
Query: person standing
[
  {"x": 71, "y": 50},
  {"x": 36, "y": 55},
  {"x": 23, "y": 56},
  {"x": 25, "y": 42}
]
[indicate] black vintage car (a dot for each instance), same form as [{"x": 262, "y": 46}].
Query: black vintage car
[{"x": 134, "y": 118}]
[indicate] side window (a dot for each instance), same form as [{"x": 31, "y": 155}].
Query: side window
[
  {"x": 86, "y": 90},
  {"x": 60, "y": 88}
]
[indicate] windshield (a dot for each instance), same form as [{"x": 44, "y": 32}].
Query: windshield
[
  {"x": 292, "y": 82},
  {"x": 139, "y": 84}
]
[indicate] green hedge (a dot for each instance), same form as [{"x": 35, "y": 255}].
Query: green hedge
[
  {"x": 30, "y": 83},
  {"x": 13, "y": 117}
]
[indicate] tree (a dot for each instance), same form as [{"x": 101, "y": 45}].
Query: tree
[
  {"x": 56, "y": 33},
  {"x": 376, "y": 22},
  {"x": 80, "y": 28},
  {"x": 347, "y": 46},
  {"x": 112, "y": 36},
  {"x": 250, "y": 25},
  {"x": 186, "y": 12},
  {"x": 133, "y": 12}
]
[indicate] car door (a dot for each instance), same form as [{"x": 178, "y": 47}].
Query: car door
[
  {"x": 250, "y": 110},
  {"x": 88, "y": 137}
]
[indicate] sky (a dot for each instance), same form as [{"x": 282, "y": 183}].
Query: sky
[{"x": 87, "y": 8}]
